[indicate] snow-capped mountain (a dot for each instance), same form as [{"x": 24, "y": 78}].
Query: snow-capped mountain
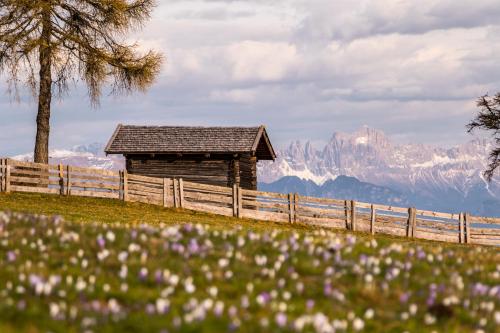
[
  {"x": 432, "y": 177},
  {"x": 87, "y": 156}
]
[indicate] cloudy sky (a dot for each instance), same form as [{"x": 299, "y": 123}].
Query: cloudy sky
[{"x": 305, "y": 68}]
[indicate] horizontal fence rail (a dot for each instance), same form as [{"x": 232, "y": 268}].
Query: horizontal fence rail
[{"x": 17, "y": 176}]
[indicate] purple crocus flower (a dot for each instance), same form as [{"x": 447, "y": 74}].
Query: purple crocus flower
[
  {"x": 404, "y": 298},
  {"x": 34, "y": 280},
  {"x": 420, "y": 254},
  {"x": 233, "y": 311},
  {"x": 480, "y": 289},
  {"x": 219, "y": 309},
  {"x": 150, "y": 309},
  {"x": 338, "y": 258},
  {"x": 351, "y": 240},
  {"x": 266, "y": 297},
  {"x": 11, "y": 256},
  {"x": 95, "y": 305},
  {"x": 193, "y": 246},
  {"x": 158, "y": 276},
  {"x": 57, "y": 220},
  {"x": 21, "y": 305},
  {"x": 281, "y": 319},
  {"x": 101, "y": 242},
  {"x": 143, "y": 274},
  {"x": 327, "y": 290}
]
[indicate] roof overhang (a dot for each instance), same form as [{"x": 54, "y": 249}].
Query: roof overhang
[{"x": 262, "y": 137}]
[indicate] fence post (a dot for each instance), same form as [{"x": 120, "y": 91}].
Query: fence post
[
  {"x": 181, "y": 193},
  {"x": 408, "y": 223},
  {"x": 353, "y": 215},
  {"x": 467, "y": 228},
  {"x": 120, "y": 185},
  {"x": 240, "y": 203},
  {"x": 176, "y": 193},
  {"x": 291, "y": 207},
  {"x": 235, "y": 200},
  {"x": 347, "y": 207},
  {"x": 410, "y": 226},
  {"x": 373, "y": 217},
  {"x": 68, "y": 180},
  {"x": 125, "y": 185},
  {"x": 295, "y": 207},
  {"x": 3, "y": 184},
  {"x": 7, "y": 176},
  {"x": 165, "y": 192},
  {"x": 461, "y": 228},
  {"x": 171, "y": 181},
  {"x": 414, "y": 224},
  {"x": 61, "y": 179},
  {"x": 2, "y": 171}
]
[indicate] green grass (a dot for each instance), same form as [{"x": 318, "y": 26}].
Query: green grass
[
  {"x": 269, "y": 277},
  {"x": 84, "y": 210}
]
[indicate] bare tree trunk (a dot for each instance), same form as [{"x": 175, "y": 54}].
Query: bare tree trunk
[{"x": 45, "y": 95}]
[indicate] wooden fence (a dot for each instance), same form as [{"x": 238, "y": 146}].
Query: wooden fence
[{"x": 16, "y": 176}]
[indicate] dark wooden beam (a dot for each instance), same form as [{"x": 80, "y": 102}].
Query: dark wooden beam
[{"x": 187, "y": 157}]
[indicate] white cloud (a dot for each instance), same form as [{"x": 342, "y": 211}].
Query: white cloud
[
  {"x": 347, "y": 20},
  {"x": 411, "y": 68},
  {"x": 262, "y": 61},
  {"x": 244, "y": 96}
]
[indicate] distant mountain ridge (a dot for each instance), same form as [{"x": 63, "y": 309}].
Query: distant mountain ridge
[
  {"x": 343, "y": 187},
  {"x": 446, "y": 179},
  {"x": 87, "y": 156}
]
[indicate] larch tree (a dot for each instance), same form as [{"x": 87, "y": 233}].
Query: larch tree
[
  {"x": 488, "y": 119},
  {"x": 48, "y": 44}
]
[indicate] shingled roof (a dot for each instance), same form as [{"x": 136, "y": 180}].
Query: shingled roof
[{"x": 190, "y": 140}]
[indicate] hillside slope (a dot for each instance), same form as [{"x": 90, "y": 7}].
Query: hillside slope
[{"x": 180, "y": 271}]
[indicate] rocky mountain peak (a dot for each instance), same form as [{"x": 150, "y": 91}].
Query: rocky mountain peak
[{"x": 436, "y": 173}]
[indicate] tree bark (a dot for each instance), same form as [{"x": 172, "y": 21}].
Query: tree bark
[{"x": 45, "y": 94}]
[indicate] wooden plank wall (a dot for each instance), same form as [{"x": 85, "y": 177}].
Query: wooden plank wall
[
  {"x": 211, "y": 172},
  {"x": 464, "y": 228},
  {"x": 248, "y": 172}
]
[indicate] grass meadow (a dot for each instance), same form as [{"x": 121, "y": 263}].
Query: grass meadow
[{"x": 93, "y": 265}]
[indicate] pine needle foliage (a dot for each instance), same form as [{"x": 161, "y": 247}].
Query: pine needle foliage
[
  {"x": 488, "y": 119},
  {"x": 48, "y": 44}
]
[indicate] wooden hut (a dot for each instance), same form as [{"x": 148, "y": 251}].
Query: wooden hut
[{"x": 210, "y": 155}]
